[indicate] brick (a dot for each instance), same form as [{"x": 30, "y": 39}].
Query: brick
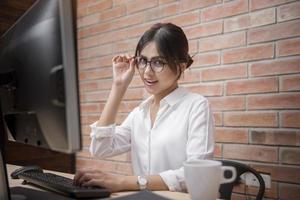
[
  {"x": 90, "y": 7},
  {"x": 128, "y": 106},
  {"x": 288, "y": 11},
  {"x": 91, "y": 107},
  {"x": 190, "y": 76},
  {"x": 250, "y": 20},
  {"x": 85, "y": 130},
  {"x": 269, "y": 193},
  {"x": 185, "y": 19},
  {"x": 218, "y": 118},
  {"x": 113, "y": 13},
  {"x": 218, "y": 150},
  {"x": 137, "y": 31},
  {"x": 288, "y": 47},
  {"x": 254, "y": 119},
  {"x": 93, "y": 63},
  {"x": 139, "y": 5},
  {"x": 103, "y": 84},
  {"x": 225, "y": 10},
  {"x": 202, "y": 30},
  {"x": 261, "y": 85},
  {"x": 159, "y": 12},
  {"x": 124, "y": 46},
  {"x": 99, "y": 6},
  {"x": 86, "y": 141},
  {"x": 224, "y": 72},
  {"x": 95, "y": 74},
  {"x": 222, "y": 41},
  {"x": 102, "y": 38},
  {"x": 273, "y": 101},
  {"x": 119, "y": 2},
  {"x": 282, "y": 173},
  {"x": 127, "y": 21},
  {"x": 258, "y": 4},
  {"x": 227, "y": 103},
  {"x": 290, "y": 83},
  {"x": 110, "y": 26},
  {"x": 235, "y": 196},
  {"x": 206, "y": 59},
  {"x": 289, "y": 191},
  {"x": 83, "y": 154},
  {"x": 274, "y": 32},
  {"x": 89, "y": 119},
  {"x": 93, "y": 30},
  {"x": 94, "y": 96},
  {"x": 211, "y": 89},
  {"x": 250, "y": 152},
  {"x": 165, "y": 1},
  {"x": 134, "y": 94},
  {"x": 193, "y": 47},
  {"x": 95, "y": 51},
  {"x": 250, "y": 53},
  {"x": 275, "y": 137},
  {"x": 88, "y": 20},
  {"x": 187, "y": 5},
  {"x": 84, "y": 3},
  {"x": 289, "y": 155},
  {"x": 231, "y": 135},
  {"x": 274, "y": 67},
  {"x": 290, "y": 119}
]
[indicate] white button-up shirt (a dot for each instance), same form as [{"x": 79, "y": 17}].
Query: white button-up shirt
[{"x": 183, "y": 130}]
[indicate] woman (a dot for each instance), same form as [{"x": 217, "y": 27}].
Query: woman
[{"x": 169, "y": 127}]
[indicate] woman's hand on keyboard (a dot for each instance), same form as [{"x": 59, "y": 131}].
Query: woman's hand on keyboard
[{"x": 97, "y": 178}]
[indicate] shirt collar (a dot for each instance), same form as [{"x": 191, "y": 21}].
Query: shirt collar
[{"x": 171, "y": 99}]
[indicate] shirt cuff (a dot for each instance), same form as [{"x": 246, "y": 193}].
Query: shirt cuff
[
  {"x": 170, "y": 179},
  {"x": 102, "y": 131}
]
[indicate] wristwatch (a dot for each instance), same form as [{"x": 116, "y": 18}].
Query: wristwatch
[{"x": 142, "y": 182}]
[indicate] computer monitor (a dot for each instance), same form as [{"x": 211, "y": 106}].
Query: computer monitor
[{"x": 38, "y": 78}]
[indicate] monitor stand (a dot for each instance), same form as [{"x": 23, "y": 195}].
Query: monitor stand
[{"x": 17, "y": 197}]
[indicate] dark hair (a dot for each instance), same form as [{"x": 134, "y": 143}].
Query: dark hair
[{"x": 171, "y": 43}]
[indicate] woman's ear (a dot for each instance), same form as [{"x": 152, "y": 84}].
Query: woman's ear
[{"x": 183, "y": 66}]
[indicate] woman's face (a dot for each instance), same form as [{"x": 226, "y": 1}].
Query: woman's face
[{"x": 161, "y": 83}]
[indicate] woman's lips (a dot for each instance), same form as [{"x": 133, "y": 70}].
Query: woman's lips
[{"x": 150, "y": 82}]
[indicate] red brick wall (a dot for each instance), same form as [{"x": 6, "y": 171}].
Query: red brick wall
[{"x": 246, "y": 62}]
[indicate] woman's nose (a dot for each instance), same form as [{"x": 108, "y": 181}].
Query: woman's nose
[{"x": 148, "y": 69}]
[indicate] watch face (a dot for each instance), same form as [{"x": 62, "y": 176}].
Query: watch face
[{"x": 143, "y": 181}]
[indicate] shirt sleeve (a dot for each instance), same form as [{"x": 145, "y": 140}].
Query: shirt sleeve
[
  {"x": 107, "y": 141},
  {"x": 200, "y": 144}
]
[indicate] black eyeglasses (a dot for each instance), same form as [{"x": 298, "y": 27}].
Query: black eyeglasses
[{"x": 156, "y": 64}]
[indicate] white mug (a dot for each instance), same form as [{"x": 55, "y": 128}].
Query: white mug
[{"x": 203, "y": 178}]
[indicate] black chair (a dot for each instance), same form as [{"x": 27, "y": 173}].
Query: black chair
[{"x": 225, "y": 189}]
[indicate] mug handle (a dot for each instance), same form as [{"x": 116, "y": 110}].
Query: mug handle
[{"x": 228, "y": 180}]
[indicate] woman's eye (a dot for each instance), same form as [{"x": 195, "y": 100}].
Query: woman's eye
[
  {"x": 158, "y": 62},
  {"x": 142, "y": 61}
]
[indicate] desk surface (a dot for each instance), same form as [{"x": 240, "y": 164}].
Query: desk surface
[{"x": 167, "y": 194}]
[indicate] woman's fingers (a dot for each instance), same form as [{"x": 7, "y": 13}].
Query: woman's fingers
[{"x": 83, "y": 174}]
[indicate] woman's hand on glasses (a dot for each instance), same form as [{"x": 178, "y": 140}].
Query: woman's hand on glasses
[{"x": 123, "y": 69}]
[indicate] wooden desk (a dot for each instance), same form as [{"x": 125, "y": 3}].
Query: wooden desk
[{"x": 167, "y": 194}]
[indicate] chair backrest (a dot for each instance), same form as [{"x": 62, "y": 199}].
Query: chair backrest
[{"x": 226, "y": 189}]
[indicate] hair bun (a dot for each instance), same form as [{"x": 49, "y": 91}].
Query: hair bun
[{"x": 189, "y": 61}]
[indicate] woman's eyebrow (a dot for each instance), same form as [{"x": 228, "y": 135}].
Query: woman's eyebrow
[{"x": 154, "y": 57}]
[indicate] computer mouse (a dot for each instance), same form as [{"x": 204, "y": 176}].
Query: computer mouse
[{"x": 15, "y": 174}]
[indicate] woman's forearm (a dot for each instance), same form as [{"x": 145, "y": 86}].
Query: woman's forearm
[
  {"x": 155, "y": 182},
  {"x": 111, "y": 107}
]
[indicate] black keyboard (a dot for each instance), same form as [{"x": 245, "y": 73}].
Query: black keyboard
[{"x": 62, "y": 185}]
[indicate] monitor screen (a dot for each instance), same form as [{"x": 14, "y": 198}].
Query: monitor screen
[{"x": 38, "y": 78}]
